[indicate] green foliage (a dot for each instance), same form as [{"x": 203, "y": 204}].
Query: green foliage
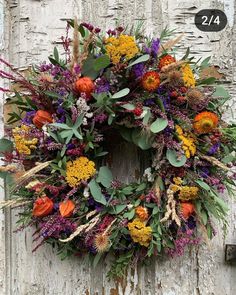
[
  {"x": 174, "y": 159},
  {"x": 120, "y": 265},
  {"x": 97, "y": 192},
  {"x": 158, "y": 125}
]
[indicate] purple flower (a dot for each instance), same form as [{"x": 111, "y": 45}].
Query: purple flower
[
  {"x": 138, "y": 70},
  {"x": 155, "y": 47},
  {"x": 102, "y": 85},
  {"x": 214, "y": 149},
  {"x": 27, "y": 120}
]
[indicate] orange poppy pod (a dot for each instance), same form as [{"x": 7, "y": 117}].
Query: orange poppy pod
[
  {"x": 85, "y": 85},
  {"x": 187, "y": 209},
  {"x": 41, "y": 118},
  {"x": 43, "y": 206},
  {"x": 66, "y": 208}
]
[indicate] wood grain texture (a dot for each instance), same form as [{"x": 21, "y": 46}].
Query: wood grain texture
[{"x": 32, "y": 28}]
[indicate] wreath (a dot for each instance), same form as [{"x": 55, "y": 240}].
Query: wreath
[{"x": 61, "y": 117}]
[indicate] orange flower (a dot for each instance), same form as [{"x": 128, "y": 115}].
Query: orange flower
[
  {"x": 85, "y": 85},
  {"x": 66, "y": 208},
  {"x": 166, "y": 60},
  {"x": 151, "y": 81},
  {"x": 142, "y": 213},
  {"x": 41, "y": 118},
  {"x": 205, "y": 122},
  {"x": 43, "y": 206},
  {"x": 187, "y": 209}
]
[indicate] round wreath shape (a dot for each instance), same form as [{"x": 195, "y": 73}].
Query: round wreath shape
[{"x": 135, "y": 87}]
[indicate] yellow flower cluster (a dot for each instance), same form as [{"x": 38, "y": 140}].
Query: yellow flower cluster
[
  {"x": 188, "y": 142},
  {"x": 80, "y": 169},
  {"x": 186, "y": 193},
  {"x": 23, "y": 140},
  {"x": 188, "y": 76},
  {"x": 123, "y": 46},
  {"x": 140, "y": 233}
]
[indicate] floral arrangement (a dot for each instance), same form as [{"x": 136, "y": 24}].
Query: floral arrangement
[{"x": 121, "y": 83}]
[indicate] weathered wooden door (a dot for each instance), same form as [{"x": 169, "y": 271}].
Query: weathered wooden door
[{"x": 28, "y": 31}]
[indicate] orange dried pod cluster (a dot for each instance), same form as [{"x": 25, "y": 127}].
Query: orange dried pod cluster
[
  {"x": 41, "y": 118},
  {"x": 85, "y": 85},
  {"x": 187, "y": 209},
  {"x": 151, "y": 81},
  {"x": 43, "y": 206},
  {"x": 142, "y": 213},
  {"x": 66, "y": 208},
  {"x": 166, "y": 60}
]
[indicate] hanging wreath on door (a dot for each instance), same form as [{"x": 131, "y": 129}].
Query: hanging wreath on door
[{"x": 128, "y": 83}]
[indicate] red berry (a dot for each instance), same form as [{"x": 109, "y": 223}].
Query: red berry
[
  {"x": 137, "y": 111},
  {"x": 183, "y": 89},
  {"x": 174, "y": 94}
]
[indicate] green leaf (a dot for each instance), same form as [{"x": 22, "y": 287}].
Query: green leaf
[
  {"x": 88, "y": 68},
  {"x": 207, "y": 81},
  {"x": 96, "y": 192},
  {"x": 119, "y": 208},
  {"x": 105, "y": 176},
  {"x": 221, "y": 92},
  {"x": 56, "y": 54},
  {"x": 143, "y": 140},
  {"x": 174, "y": 160},
  {"x": 158, "y": 125},
  {"x": 60, "y": 125},
  {"x": 128, "y": 106},
  {"x": 205, "y": 62},
  {"x": 66, "y": 133},
  {"x": 77, "y": 134},
  {"x": 121, "y": 93},
  {"x": 203, "y": 185},
  {"x": 141, "y": 187},
  {"x": 147, "y": 117},
  {"x": 126, "y": 133},
  {"x": 227, "y": 159},
  {"x": 5, "y": 145},
  {"x": 129, "y": 215},
  {"x": 101, "y": 62},
  {"x": 140, "y": 59}
]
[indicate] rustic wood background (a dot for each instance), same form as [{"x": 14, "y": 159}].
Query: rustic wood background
[{"x": 29, "y": 29}]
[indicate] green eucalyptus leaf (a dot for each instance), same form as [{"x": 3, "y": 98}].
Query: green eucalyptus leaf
[
  {"x": 203, "y": 185},
  {"x": 221, "y": 92},
  {"x": 104, "y": 176},
  {"x": 126, "y": 133},
  {"x": 173, "y": 158},
  {"x": 119, "y": 208},
  {"x": 121, "y": 93},
  {"x": 96, "y": 192},
  {"x": 140, "y": 59},
  {"x": 158, "y": 125},
  {"x": 88, "y": 68},
  {"x": 5, "y": 145},
  {"x": 128, "y": 106}
]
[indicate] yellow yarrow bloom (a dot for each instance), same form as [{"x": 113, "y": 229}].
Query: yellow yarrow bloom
[
  {"x": 80, "y": 169},
  {"x": 123, "y": 46},
  {"x": 24, "y": 141},
  {"x": 188, "y": 76},
  {"x": 187, "y": 142},
  {"x": 188, "y": 193},
  {"x": 139, "y": 232}
]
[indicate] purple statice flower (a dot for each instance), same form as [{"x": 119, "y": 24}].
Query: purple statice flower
[
  {"x": 214, "y": 149},
  {"x": 101, "y": 118},
  {"x": 221, "y": 188},
  {"x": 60, "y": 110},
  {"x": 204, "y": 172},
  {"x": 152, "y": 197},
  {"x": 138, "y": 70},
  {"x": 102, "y": 85},
  {"x": 27, "y": 120},
  {"x": 182, "y": 241}
]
